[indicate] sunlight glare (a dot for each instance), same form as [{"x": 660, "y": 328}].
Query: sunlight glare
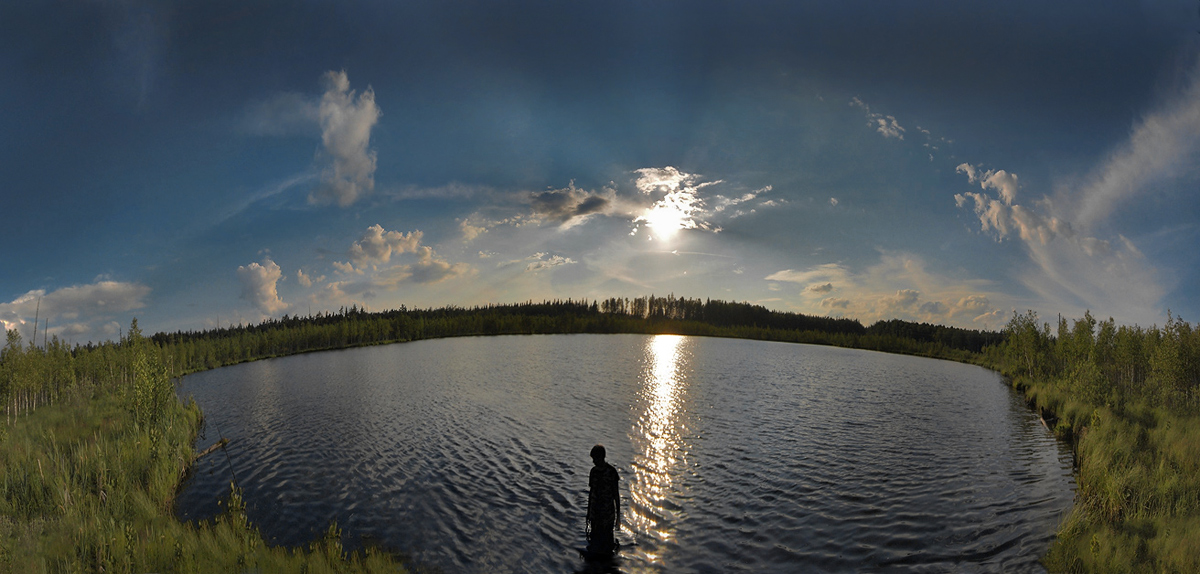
[{"x": 659, "y": 445}]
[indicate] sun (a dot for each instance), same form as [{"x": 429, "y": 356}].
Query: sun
[{"x": 672, "y": 213}]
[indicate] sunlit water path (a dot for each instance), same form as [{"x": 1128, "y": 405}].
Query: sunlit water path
[{"x": 471, "y": 454}]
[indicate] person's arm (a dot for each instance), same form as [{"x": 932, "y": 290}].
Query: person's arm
[{"x": 617, "y": 504}]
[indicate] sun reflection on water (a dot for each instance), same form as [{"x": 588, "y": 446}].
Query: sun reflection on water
[{"x": 659, "y": 449}]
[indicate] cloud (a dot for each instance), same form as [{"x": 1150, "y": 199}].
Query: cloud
[
  {"x": 829, "y": 272},
  {"x": 346, "y": 123},
  {"x": 545, "y": 261},
  {"x": 284, "y": 114},
  {"x": 679, "y": 205},
  {"x": 306, "y": 280},
  {"x": 903, "y": 299},
  {"x": 377, "y": 245},
  {"x": 1162, "y": 146},
  {"x": 898, "y": 287},
  {"x": 258, "y": 286},
  {"x": 819, "y": 288},
  {"x": 1004, "y": 183},
  {"x": 886, "y": 125},
  {"x": 1071, "y": 271},
  {"x": 570, "y": 204},
  {"x": 835, "y": 303},
  {"x": 721, "y": 203},
  {"x": 430, "y": 269},
  {"x": 84, "y": 306},
  {"x": 470, "y": 231}
]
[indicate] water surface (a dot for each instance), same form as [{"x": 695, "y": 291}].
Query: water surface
[{"x": 471, "y": 454}]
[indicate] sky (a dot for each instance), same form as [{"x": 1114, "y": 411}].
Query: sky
[{"x": 202, "y": 163}]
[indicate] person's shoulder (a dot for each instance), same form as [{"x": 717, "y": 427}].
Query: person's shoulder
[{"x": 612, "y": 470}]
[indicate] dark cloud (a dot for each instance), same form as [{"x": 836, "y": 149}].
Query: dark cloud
[{"x": 565, "y": 204}]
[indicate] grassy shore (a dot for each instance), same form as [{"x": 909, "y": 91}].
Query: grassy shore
[
  {"x": 1137, "y": 507},
  {"x": 89, "y": 475},
  {"x": 88, "y": 487}
]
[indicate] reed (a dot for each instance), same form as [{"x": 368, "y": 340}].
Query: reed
[{"x": 88, "y": 486}]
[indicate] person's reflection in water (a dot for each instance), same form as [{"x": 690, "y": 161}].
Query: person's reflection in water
[{"x": 604, "y": 505}]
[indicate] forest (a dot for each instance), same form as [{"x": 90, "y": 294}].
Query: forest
[{"x": 94, "y": 442}]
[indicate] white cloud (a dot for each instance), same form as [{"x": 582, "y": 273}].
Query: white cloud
[
  {"x": 84, "y": 306},
  {"x": 1162, "y": 146},
  {"x": 430, "y": 269},
  {"x": 828, "y": 272},
  {"x": 544, "y": 261},
  {"x": 886, "y": 125},
  {"x": 1072, "y": 271},
  {"x": 721, "y": 203},
  {"x": 259, "y": 286},
  {"x": 470, "y": 231},
  {"x": 346, "y": 123},
  {"x": 345, "y": 267},
  {"x": 377, "y": 245},
  {"x": 307, "y": 280},
  {"x": 283, "y": 114},
  {"x": 1004, "y": 183}
]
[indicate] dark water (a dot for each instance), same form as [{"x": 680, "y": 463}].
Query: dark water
[{"x": 471, "y": 454}]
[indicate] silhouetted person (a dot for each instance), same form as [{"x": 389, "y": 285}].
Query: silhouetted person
[{"x": 604, "y": 505}]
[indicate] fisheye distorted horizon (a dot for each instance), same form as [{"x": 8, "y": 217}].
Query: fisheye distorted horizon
[{"x": 195, "y": 164}]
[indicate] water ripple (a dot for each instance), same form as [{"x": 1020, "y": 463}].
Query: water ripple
[{"x": 471, "y": 454}]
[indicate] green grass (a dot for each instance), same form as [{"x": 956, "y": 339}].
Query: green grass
[
  {"x": 1137, "y": 507},
  {"x": 87, "y": 489}
]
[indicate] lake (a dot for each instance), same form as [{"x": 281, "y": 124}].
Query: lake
[{"x": 471, "y": 454}]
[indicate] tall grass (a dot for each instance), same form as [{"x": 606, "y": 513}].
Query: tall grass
[
  {"x": 88, "y": 484},
  {"x": 1125, "y": 398}
]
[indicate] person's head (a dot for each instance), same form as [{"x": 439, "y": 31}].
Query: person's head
[{"x": 598, "y": 454}]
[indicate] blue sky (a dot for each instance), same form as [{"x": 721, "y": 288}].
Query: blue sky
[{"x": 950, "y": 162}]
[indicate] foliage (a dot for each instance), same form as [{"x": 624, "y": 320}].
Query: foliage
[
  {"x": 87, "y": 478},
  {"x": 1127, "y": 398},
  {"x": 94, "y": 442}
]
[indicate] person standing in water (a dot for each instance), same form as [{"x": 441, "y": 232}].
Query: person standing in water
[{"x": 604, "y": 505}]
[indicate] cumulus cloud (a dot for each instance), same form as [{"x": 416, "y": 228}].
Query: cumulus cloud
[
  {"x": 307, "y": 280},
  {"x": 346, "y": 122},
  {"x": 1072, "y": 270},
  {"x": 545, "y": 261},
  {"x": 381, "y": 269},
  {"x": 835, "y": 303},
  {"x": 819, "y": 288},
  {"x": 431, "y": 269},
  {"x": 75, "y": 311},
  {"x": 377, "y": 245},
  {"x": 903, "y": 299},
  {"x": 898, "y": 287},
  {"x": 1003, "y": 182},
  {"x": 470, "y": 231},
  {"x": 259, "y": 286}
]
